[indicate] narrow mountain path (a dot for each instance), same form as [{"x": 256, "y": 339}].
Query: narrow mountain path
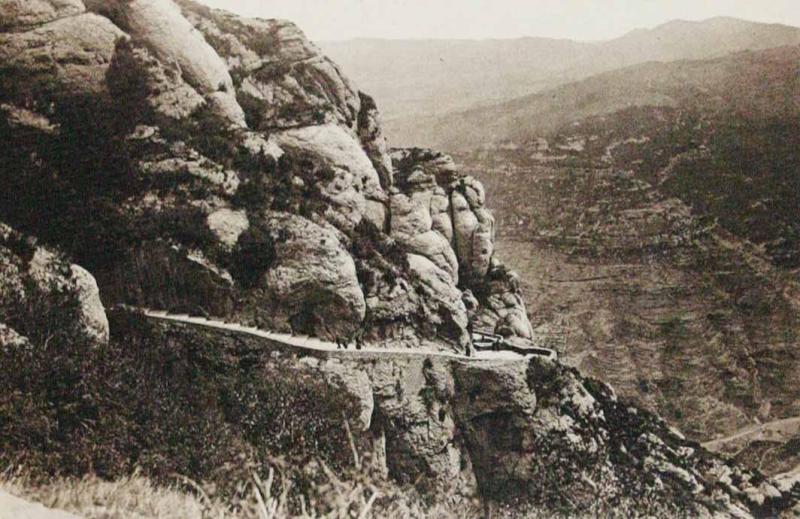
[
  {"x": 778, "y": 430},
  {"x": 318, "y": 345}
]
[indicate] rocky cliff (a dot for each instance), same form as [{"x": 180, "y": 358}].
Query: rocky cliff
[
  {"x": 195, "y": 160},
  {"x": 525, "y": 438}
]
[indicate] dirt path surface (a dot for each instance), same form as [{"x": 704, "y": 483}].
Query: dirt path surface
[
  {"x": 778, "y": 431},
  {"x": 12, "y": 507},
  {"x": 315, "y": 344}
]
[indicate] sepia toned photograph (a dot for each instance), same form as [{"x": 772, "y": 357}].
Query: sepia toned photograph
[{"x": 399, "y": 259}]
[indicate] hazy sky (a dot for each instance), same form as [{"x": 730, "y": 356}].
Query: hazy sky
[{"x": 573, "y": 19}]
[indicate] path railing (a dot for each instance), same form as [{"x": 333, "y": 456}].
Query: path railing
[{"x": 485, "y": 341}]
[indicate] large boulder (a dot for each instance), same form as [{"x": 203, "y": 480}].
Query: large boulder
[
  {"x": 283, "y": 80},
  {"x": 311, "y": 280},
  {"x": 353, "y": 181},
  {"x": 412, "y": 221},
  {"x": 228, "y": 225},
  {"x": 16, "y": 15},
  {"x": 136, "y": 75},
  {"x": 66, "y": 56},
  {"x": 503, "y": 308},
  {"x": 443, "y": 299},
  {"x": 39, "y": 280},
  {"x": 473, "y": 229},
  {"x": 92, "y": 313},
  {"x": 160, "y": 25}
]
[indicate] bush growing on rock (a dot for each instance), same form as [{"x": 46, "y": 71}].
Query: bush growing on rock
[{"x": 253, "y": 256}]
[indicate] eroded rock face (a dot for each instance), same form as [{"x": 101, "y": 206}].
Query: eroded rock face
[
  {"x": 526, "y": 437},
  {"x": 284, "y": 79},
  {"x": 354, "y": 178},
  {"x": 412, "y": 223},
  {"x": 136, "y": 73},
  {"x": 537, "y": 437},
  {"x": 354, "y": 382},
  {"x": 502, "y": 308},
  {"x": 419, "y": 429},
  {"x": 207, "y": 129},
  {"x": 473, "y": 228},
  {"x": 440, "y": 214},
  {"x": 371, "y": 135},
  {"x": 66, "y": 56},
  {"x": 312, "y": 279},
  {"x": 161, "y": 26}
]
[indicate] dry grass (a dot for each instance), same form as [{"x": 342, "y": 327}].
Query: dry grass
[
  {"x": 133, "y": 497},
  {"x": 137, "y": 497}
]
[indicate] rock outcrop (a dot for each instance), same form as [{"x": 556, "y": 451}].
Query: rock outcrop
[
  {"x": 68, "y": 55},
  {"x": 213, "y": 150},
  {"x": 35, "y": 281},
  {"x": 440, "y": 214},
  {"x": 311, "y": 282},
  {"x": 527, "y": 437},
  {"x": 16, "y": 15}
]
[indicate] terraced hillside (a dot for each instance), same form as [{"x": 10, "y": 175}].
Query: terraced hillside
[
  {"x": 652, "y": 213},
  {"x": 668, "y": 307}
]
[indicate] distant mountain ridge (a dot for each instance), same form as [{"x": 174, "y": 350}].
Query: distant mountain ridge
[
  {"x": 753, "y": 83},
  {"x": 435, "y": 77}
]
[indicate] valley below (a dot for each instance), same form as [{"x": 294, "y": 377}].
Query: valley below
[{"x": 638, "y": 290}]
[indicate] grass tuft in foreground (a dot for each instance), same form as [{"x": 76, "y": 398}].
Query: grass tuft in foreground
[{"x": 358, "y": 495}]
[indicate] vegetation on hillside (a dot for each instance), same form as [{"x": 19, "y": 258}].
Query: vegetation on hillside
[
  {"x": 670, "y": 308},
  {"x": 145, "y": 407}
]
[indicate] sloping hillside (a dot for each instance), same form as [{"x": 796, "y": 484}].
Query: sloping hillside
[
  {"x": 661, "y": 241},
  {"x": 721, "y": 135},
  {"x": 750, "y": 85},
  {"x": 428, "y": 79}
]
